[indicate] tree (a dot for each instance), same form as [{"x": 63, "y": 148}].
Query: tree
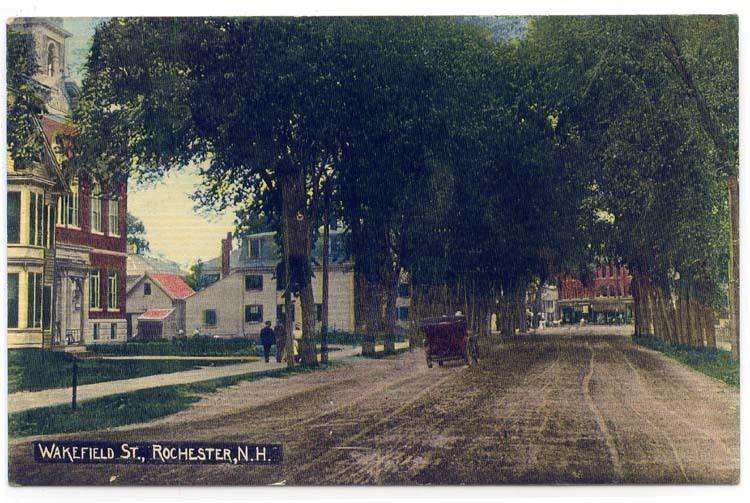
[
  {"x": 25, "y": 99},
  {"x": 195, "y": 272},
  {"x": 253, "y": 98},
  {"x": 652, "y": 197},
  {"x": 136, "y": 235},
  {"x": 718, "y": 113}
]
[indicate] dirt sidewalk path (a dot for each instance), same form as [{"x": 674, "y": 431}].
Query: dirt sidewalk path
[{"x": 538, "y": 409}]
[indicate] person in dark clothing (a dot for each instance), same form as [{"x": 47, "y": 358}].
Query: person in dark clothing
[
  {"x": 280, "y": 333},
  {"x": 267, "y": 338}
]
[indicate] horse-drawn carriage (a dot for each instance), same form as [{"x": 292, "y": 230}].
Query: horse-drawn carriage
[{"x": 446, "y": 338}]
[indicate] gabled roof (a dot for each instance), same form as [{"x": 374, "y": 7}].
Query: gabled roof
[
  {"x": 171, "y": 284},
  {"x": 49, "y": 152},
  {"x": 155, "y": 314}
]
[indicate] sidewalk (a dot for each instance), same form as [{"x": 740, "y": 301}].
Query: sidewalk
[{"x": 25, "y": 400}]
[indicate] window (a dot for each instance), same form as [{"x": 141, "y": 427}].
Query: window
[
  {"x": 95, "y": 333},
  {"x": 13, "y": 300},
  {"x": 32, "y": 218},
  {"x": 14, "y": 217},
  {"x": 253, "y": 313},
  {"x": 403, "y": 313},
  {"x": 256, "y": 248},
  {"x": 52, "y": 60},
  {"x": 50, "y": 227},
  {"x": 40, "y": 237},
  {"x": 112, "y": 291},
  {"x": 62, "y": 210},
  {"x": 96, "y": 211},
  {"x": 114, "y": 217},
  {"x": 403, "y": 290},
  {"x": 209, "y": 317},
  {"x": 72, "y": 203},
  {"x": 36, "y": 219},
  {"x": 253, "y": 282},
  {"x": 147, "y": 288},
  {"x": 319, "y": 312},
  {"x": 113, "y": 331},
  {"x": 34, "y": 300},
  {"x": 94, "y": 290}
]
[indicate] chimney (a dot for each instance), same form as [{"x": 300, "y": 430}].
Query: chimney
[{"x": 226, "y": 248}]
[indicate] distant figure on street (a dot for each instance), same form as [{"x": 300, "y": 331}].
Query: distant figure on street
[
  {"x": 267, "y": 338},
  {"x": 279, "y": 333}
]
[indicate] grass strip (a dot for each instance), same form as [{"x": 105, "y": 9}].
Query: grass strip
[
  {"x": 38, "y": 369},
  {"x": 713, "y": 362},
  {"x": 128, "y": 408}
]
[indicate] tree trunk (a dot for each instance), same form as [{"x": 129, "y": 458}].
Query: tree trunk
[
  {"x": 391, "y": 321},
  {"x": 638, "y": 314},
  {"x": 521, "y": 309},
  {"x": 297, "y": 227},
  {"x": 710, "y": 327},
  {"x": 537, "y": 306}
]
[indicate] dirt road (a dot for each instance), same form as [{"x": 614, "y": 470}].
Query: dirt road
[{"x": 540, "y": 409}]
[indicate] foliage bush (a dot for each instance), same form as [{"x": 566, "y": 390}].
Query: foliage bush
[{"x": 190, "y": 346}]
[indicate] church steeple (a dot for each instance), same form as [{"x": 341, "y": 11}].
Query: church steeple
[{"x": 49, "y": 40}]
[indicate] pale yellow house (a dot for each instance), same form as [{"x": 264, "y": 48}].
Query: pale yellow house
[{"x": 33, "y": 190}]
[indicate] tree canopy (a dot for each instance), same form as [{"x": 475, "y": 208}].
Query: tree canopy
[{"x": 474, "y": 164}]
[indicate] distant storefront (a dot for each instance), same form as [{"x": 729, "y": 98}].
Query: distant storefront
[{"x": 603, "y": 299}]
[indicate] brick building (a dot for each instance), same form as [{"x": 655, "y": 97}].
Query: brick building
[
  {"x": 88, "y": 252},
  {"x": 605, "y": 297}
]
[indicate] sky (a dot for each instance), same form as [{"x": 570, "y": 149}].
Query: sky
[{"x": 174, "y": 230}]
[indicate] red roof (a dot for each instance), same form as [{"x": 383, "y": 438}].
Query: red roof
[
  {"x": 156, "y": 314},
  {"x": 173, "y": 285}
]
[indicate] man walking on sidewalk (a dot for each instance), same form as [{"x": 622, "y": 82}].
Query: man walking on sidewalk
[{"x": 267, "y": 338}]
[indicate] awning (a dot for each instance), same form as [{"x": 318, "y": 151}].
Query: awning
[{"x": 155, "y": 314}]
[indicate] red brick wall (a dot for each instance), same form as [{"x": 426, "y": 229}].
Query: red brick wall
[
  {"x": 84, "y": 236},
  {"x": 607, "y": 276},
  {"x": 103, "y": 261},
  {"x": 106, "y": 263}
]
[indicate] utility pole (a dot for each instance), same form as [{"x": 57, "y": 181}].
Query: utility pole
[{"x": 324, "y": 302}]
